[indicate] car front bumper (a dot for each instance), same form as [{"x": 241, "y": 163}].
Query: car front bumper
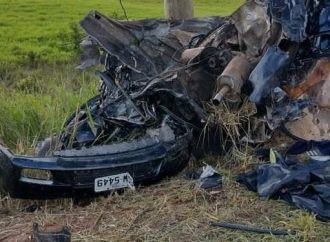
[{"x": 73, "y": 172}]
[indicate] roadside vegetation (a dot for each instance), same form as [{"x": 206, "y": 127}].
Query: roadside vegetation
[
  {"x": 39, "y": 31},
  {"x": 36, "y": 104},
  {"x": 39, "y": 88}
]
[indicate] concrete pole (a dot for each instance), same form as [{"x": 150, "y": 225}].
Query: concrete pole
[{"x": 179, "y": 9}]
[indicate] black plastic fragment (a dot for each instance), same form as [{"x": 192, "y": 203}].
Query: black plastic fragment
[
  {"x": 266, "y": 75},
  {"x": 30, "y": 208},
  {"x": 207, "y": 177},
  {"x": 306, "y": 185}
]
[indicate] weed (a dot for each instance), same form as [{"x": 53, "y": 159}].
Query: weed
[
  {"x": 36, "y": 106},
  {"x": 76, "y": 36},
  {"x": 32, "y": 58}
]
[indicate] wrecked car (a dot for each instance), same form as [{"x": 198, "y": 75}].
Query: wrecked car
[
  {"x": 158, "y": 81},
  {"x": 140, "y": 126},
  {"x": 147, "y": 117}
]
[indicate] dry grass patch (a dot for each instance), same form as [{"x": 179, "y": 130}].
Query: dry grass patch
[{"x": 168, "y": 211}]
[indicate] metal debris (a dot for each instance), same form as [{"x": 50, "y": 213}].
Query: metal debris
[{"x": 232, "y": 78}]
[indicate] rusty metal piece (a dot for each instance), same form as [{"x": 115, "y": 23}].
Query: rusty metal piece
[
  {"x": 322, "y": 97},
  {"x": 313, "y": 126},
  {"x": 232, "y": 78},
  {"x": 320, "y": 73}
]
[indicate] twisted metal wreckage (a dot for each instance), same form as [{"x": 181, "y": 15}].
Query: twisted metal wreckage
[{"x": 157, "y": 78}]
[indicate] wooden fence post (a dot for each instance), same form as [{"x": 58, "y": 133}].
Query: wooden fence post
[{"x": 179, "y": 9}]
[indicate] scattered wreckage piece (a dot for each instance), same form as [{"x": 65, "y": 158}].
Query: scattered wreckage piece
[
  {"x": 206, "y": 177},
  {"x": 314, "y": 125},
  {"x": 247, "y": 228},
  {"x": 305, "y": 185},
  {"x": 318, "y": 74},
  {"x": 284, "y": 109},
  {"x": 62, "y": 235},
  {"x": 266, "y": 75},
  {"x": 253, "y": 26},
  {"x": 210, "y": 178}
]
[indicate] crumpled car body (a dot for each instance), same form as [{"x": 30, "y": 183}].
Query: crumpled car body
[
  {"x": 156, "y": 78},
  {"x": 149, "y": 112},
  {"x": 138, "y": 129}
]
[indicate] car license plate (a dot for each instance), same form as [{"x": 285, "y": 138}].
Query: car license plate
[{"x": 114, "y": 182}]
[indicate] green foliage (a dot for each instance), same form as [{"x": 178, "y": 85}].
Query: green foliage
[
  {"x": 44, "y": 31},
  {"x": 36, "y": 106}
]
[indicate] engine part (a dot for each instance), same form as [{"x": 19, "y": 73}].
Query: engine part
[
  {"x": 232, "y": 78},
  {"x": 190, "y": 54}
]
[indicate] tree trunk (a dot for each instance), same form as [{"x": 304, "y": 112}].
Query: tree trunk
[{"x": 179, "y": 9}]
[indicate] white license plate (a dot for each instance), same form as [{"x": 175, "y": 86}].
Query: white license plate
[{"x": 114, "y": 182}]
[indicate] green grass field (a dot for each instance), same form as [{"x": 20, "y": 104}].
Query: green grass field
[
  {"x": 46, "y": 31},
  {"x": 39, "y": 88}
]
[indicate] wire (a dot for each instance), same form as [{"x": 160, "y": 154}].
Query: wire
[
  {"x": 251, "y": 229},
  {"x": 123, "y": 8}
]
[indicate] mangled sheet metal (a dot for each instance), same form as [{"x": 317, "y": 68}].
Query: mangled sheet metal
[
  {"x": 184, "y": 61},
  {"x": 290, "y": 79},
  {"x": 290, "y": 83},
  {"x": 253, "y": 25},
  {"x": 147, "y": 47}
]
